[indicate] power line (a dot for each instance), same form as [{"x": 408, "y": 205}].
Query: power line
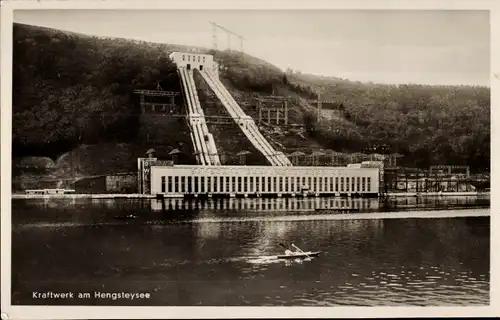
[{"x": 228, "y": 32}]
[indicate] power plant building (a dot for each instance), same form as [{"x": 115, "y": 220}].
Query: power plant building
[
  {"x": 182, "y": 180},
  {"x": 209, "y": 177}
]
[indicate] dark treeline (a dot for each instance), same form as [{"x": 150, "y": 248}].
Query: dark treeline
[
  {"x": 427, "y": 124},
  {"x": 71, "y": 89}
]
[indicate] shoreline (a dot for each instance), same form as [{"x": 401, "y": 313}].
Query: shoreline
[
  {"x": 435, "y": 194},
  {"x": 150, "y": 196}
]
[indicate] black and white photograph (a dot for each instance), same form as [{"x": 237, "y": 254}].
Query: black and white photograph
[{"x": 286, "y": 157}]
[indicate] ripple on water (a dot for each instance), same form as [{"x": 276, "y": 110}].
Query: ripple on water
[
  {"x": 371, "y": 286},
  {"x": 356, "y": 284},
  {"x": 395, "y": 285}
]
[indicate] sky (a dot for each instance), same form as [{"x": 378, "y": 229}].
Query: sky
[{"x": 384, "y": 46}]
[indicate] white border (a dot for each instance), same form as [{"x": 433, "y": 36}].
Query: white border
[{"x": 45, "y": 312}]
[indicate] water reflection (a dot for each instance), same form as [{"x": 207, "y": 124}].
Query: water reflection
[
  {"x": 264, "y": 204},
  {"x": 232, "y": 262},
  {"x": 258, "y": 204}
]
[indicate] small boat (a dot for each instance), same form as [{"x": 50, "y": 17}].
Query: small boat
[{"x": 299, "y": 255}]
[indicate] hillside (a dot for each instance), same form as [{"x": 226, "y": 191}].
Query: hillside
[
  {"x": 433, "y": 124},
  {"x": 74, "y": 107}
]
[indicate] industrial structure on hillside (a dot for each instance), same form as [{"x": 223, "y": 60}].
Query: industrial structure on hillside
[
  {"x": 211, "y": 144},
  {"x": 209, "y": 174},
  {"x": 209, "y": 177}
]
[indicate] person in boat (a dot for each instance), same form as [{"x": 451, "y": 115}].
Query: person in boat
[{"x": 289, "y": 252}]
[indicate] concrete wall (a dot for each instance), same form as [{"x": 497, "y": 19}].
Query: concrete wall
[
  {"x": 121, "y": 184},
  {"x": 461, "y": 186},
  {"x": 291, "y": 173},
  {"x": 91, "y": 185},
  {"x": 182, "y": 59}
]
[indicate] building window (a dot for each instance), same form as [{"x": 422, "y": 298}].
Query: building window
[
  {"x": 275, "y": 184},
  {"x": 352, "y": 184},
  {"x": 233, "y": 184},
  {"x": 202, "y": 185},
  {"x": 331, "y": 184},
  {"x": 183, "y": 58},
  {"x": 347, "y": 184},
  {"x": 257, "y": 184},
  {"x": 238, "y": 187},
  {"x": 292, "y": 184},
  {"x": 209, "y": 184},
  {"x": 189, "y": 58},
  {"x": 251, "y": 185},
  {"x": 280, "y": 184},
  {"x": 309, "y": 183},
  {"x": 268, "y": 184},
  {"x": 163, "y": 184},
  {"x": 189, "y": 184},
  {"x": 176, "y": 184},
  {"x": 336, "y": 184},
  {"x": 357, "y": 184},
  {"x": 196, "y": 184},
  {"x": 341, "y": 184},
  {"x": 221, "y": 182},
  {"x": 203, "y": 59},
  {"x": 245, "y": 184},
  {"x": 369, "y": 184},
  {"x": 286, "y": 184},
  {"x": 263, "y": 184},
  {"x": 183, "y": 184},
  {"x": 363, "y": 184},
  {"x": 227, "y": 185},
  {"x": 169, "y": 186}
]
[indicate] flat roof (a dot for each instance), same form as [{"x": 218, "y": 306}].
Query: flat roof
[{"x": 187, "y": 166}]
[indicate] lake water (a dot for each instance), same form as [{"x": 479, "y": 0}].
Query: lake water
[{"x": 220, "y": 252}]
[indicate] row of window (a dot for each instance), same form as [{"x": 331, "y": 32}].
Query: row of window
[
  {"x": 193, "y": 58},
  {"x": 190, "y": 184}
]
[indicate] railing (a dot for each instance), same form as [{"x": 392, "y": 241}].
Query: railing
[
  {"x": 187, "y": 99},
  {"x": 209, "y": 143},
  {"x": 245, "y": 122},
  {"x": 202, "y": 139},
  {"x": 279, "y": 157},
  {"x": 237, "y": 115},
  {"x": 195, "y": 135}
]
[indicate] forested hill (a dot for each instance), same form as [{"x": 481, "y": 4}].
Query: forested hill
[
  {"x": 71, "y": 90},
  {"x": 432, "y": 124}
]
